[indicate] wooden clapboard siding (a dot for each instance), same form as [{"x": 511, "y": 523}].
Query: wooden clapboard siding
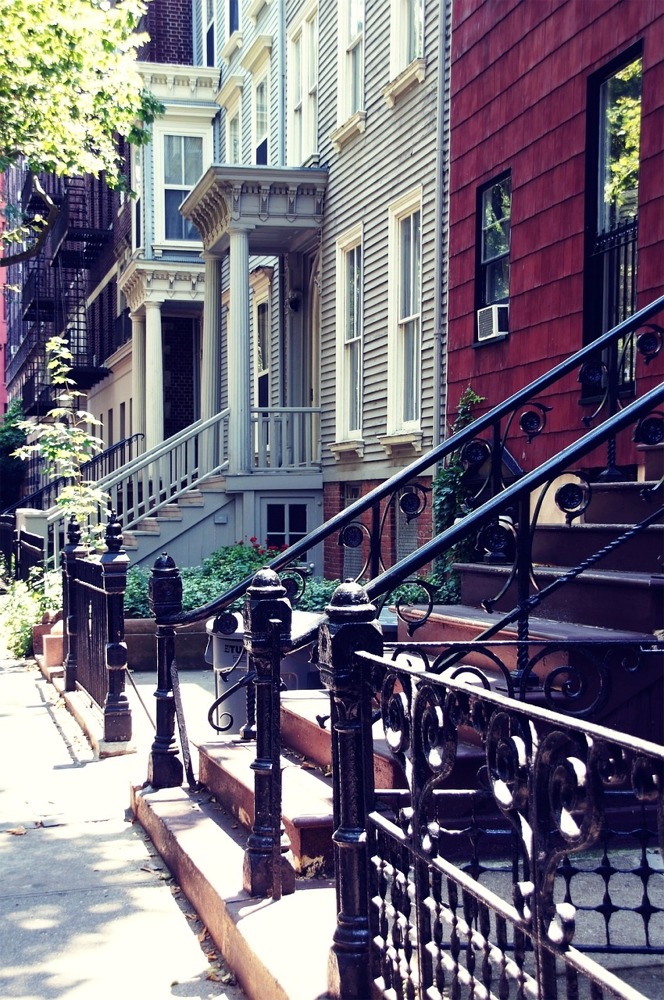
[
  {"x": 519, "y": 79},
  {"x": 395, "y": 154}
]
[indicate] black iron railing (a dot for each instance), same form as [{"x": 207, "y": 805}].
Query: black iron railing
[
  {"x": 95, "y": 655},
  {"x": 100, "y": 465}
]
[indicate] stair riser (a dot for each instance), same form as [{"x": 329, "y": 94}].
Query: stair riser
[
  {"x": 564, "y": 546},
  {"x": 610, "y": 602},
  {"x": 620, "y": 503}
]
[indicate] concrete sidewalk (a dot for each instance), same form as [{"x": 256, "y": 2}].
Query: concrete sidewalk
[{"x": 87, "y": 906}]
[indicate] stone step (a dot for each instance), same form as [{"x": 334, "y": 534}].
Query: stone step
[
  {"x": 627, "y": 600},
  {"x": 277, "y": 949},
  {"x": 621, "y": 503},
  {"x": 192, "y": 498},
  {"x": 225, "y": 770},
  {"x": 213, "y": 484},
  {"x": 565, "y": 545}
]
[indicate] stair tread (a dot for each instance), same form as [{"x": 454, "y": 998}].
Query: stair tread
[
  {"x": 543, "y": 628},
  {"x": 627, "y": 576},
  {"x": 306, "y": 793},
  {"x": 203, "y": 849}
]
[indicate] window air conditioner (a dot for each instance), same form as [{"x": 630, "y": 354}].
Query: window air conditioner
[{"x": 492, "y": 321}]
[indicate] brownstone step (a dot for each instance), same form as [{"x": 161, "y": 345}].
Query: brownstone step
[
  {"x": 564, "y": 545},
  {"x": 225, "y": 770}
]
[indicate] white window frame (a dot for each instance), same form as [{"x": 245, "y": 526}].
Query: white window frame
[
  {"x": 261, "y": 76},
  {"x": 347, "y": 244},
  {"x": 397, "y": 423},
  {"x": 232, "y": 39},
  {"x": 350, "y": 50},
  {"x": 406, "y": 34},
  {"x": 230, "y": 99},
  {"x": 260, "y": 282},
  {"x": 209, "y": 13},
  {"x": 185, "y": 129},
  {"x": 303, "y": 87},
  {"x": 138, "y": 202},
  {"x": 407, "y": 63}
]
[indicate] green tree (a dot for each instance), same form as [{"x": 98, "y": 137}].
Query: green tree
[
  {"x": 64, "y": 442},
  {"x": 12, "y": 469},
  {"x": 69, "y": 87}
]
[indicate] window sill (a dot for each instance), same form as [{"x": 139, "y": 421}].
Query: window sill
[
  {"x": 488, "y": 341},
  {"x": 233, "y": 43},
  {"x": 169, "y": 246},
  {"x": 344, "y": 449},
  {"x": 351, "y": 127},
  {"x": 411, "y": 75},
  {"x": 409, "y": 439},
  {"x": 255, "y": 7}
]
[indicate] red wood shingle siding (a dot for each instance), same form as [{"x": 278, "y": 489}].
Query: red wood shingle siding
[{"x": 519, "y": 84}]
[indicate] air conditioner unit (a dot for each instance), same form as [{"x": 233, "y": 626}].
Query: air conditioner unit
[{"x": 492, "y": 321}]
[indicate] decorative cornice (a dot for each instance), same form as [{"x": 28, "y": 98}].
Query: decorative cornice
[
  {"x": 148, "y": 281},
  {"x": 170, "y": 82}
]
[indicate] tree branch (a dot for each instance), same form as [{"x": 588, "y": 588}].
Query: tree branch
[{"x": 53, "y": 213}]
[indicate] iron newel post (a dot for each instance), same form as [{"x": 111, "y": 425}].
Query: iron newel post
[
  {"x": 114, "y": 564},
  {"x": 267, "y": 635},
  {"x": 351, "y": 627},
  {"x": 165, "y": 593},
  {"x": 72, "y": 551}
]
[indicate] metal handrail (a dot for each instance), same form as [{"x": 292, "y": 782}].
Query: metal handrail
[{"x": 424, "y": 554}]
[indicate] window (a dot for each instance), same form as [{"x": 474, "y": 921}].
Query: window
[
  {"x": 495, "y": 209},
  {"x": 349, "y": 336},
  {"x": 303, "y": 88},
  {"x": 183, "y": 166},
  {"x": 137, "y": 201},
  {"x": 233, "y": 147},
  {"x": 407, "y": 41},
  {"x": 262, "y": 355},
  {"x": 286, "y": 524},
  {"x": 405, "y": 314},
  {"x": 613, "y": 167},
  {"x": 233, "y": 17},
  {"x": 261, "y": 120},
  {"x": 351, "y": 58},
  {"x": 210, "y": 46}
]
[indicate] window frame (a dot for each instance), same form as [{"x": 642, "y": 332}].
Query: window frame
[
  {"x": 184, "y": 129},
  {"x": 348, "y": 244},
  {"x": 401, "y": 20},
  {"x": 483, "y": 264},
  {"x": 260, "y": 76},
  {"x": 398, "y": 423},
  {"x": 302, "y": 142},
  {"x": 350, "y": 44}
]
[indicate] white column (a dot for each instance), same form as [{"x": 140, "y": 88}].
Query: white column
[
  {"x": 239, "y": 354},
  {"x": 211, "y": 337},
  {"x": 154, "y": 376},
  {"x": 138, "y": 373}
]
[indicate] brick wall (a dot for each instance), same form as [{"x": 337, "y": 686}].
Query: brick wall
[
  {"x": 334, "y": 501},
  {"x": 169, "y": 24}
]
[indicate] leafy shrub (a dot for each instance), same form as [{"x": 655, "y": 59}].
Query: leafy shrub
[
  {"x": 24, "y": 605},
  {"x": 219, "y": 572}
]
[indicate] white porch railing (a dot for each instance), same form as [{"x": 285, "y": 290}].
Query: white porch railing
[
  {"x": 159, "y": 476},
  {"x": 286, "y": 438}
]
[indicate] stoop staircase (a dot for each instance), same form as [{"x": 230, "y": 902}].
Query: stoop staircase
[{"x": 563, "y": 611}]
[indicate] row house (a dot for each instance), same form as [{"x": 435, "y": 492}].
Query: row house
[{"x": 556, "y": 224}]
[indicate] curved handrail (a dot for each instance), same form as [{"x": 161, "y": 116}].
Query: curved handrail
[{"x": 431, "y": 458}]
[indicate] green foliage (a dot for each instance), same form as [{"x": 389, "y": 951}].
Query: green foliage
[
  {"x": 64, "y": 443},
  {"x": 623, "y": 124},
  {"x": 450, "y": 495},
  {"x": 24, "y": 605},
  {"x": 219, "y": 572},
  {"x": 69, "y": 85},
  {"x": 12, "y": 469}
]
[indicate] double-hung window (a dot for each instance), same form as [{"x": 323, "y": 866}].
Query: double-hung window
[
  {"x": 407, "y": 34},
  {"x": 405, "y": 314},
  {"x": 495, "y": 231},
  {"x": 261, "y": 118},
  {"x": 210, "y": 33},
  {"x": 303, "y": 87},
  {"x": 355, "y": 55},
  {"x": 349, "y": 335},
  {"x": 183, "y": 166}
]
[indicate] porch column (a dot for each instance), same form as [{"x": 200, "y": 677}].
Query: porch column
[
  {"x": 154, "y": 376},
  {"x": 211, "y": 446},
  {"x": 138, "y": 373},
  {"x": 211, "y": 326},
  {"x": 239, "y": 353}
]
